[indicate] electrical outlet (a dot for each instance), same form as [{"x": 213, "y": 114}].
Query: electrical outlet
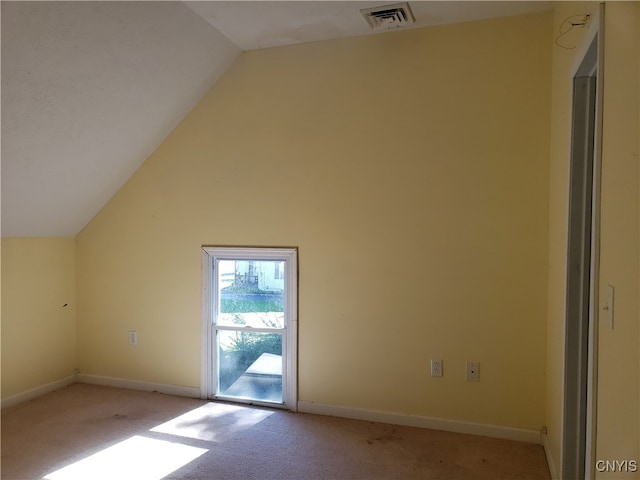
[
  {"x": 473, "y": 371},
  {"x": 436, "y": 367},
  {"x": 133, "y": 337}
]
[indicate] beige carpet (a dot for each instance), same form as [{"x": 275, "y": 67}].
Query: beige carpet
[{"x": 90, "y": 432}]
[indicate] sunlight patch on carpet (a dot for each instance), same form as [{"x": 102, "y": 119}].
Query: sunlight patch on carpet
[
  {"x": 138, "y": 458},
  {"x": 213, "y": 421}
]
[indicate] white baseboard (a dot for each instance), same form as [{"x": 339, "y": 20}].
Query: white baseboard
[
  {"x": 495, "y": 431},
  {"x": 509, "y": 433},
  {"x": 179, "y": 390},
  {"x": 36, "y": 392},
  {"x": 547, "y": 451}
]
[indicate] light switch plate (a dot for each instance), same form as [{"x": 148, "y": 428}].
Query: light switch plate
[{"x": 610, "y": 307}]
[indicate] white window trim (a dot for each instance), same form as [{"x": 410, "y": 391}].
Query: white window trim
[{"x": 290, "y": 346}]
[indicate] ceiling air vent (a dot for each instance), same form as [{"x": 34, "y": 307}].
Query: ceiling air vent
[{"x": 388, "y": 16}]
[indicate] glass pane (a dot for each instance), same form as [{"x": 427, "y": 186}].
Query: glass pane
[
  {"x": 250, "y": 365},
  {"x": 251, "y": 293}
]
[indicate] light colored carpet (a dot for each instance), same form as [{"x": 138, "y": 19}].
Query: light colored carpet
[{"x": 92, "y": 432}]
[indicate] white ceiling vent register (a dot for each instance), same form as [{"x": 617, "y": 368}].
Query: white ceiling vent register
[{"x": 388, "y": 16}]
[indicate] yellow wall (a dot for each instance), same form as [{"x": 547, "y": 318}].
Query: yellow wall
[
  {"x": 38, "y": 332},
  {"x": 617, "y": 424},
  {"x": 411, "y": 170},
  {"x": 618, "y": 374}
]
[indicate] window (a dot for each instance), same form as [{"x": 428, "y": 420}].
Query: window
[{"x": 249, "y": 325}]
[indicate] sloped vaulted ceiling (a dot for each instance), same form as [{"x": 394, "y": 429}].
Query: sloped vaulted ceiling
[{"x": 90, "y": 89}]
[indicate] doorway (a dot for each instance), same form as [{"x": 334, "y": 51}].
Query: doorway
[
  {"x": 582, "y": 270},
  {"x": 250, "y": 325}
]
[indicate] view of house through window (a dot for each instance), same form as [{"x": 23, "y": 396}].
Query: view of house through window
[{"x": 250, "y": 324}]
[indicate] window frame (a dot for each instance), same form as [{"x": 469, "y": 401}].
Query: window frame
[{"x": 290, "y": 337}]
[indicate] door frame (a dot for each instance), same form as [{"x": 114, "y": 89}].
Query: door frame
[
  {"x": 583, "y": 247},
  {"x": 290, "y": 340}
]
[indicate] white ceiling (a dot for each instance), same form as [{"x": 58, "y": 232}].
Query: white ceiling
[
  {"x": 90, "y": 89},
  {"x": 261, "y": 24}
]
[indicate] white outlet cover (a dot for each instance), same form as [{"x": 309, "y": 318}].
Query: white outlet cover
[{"x": 436, "y": 367}]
